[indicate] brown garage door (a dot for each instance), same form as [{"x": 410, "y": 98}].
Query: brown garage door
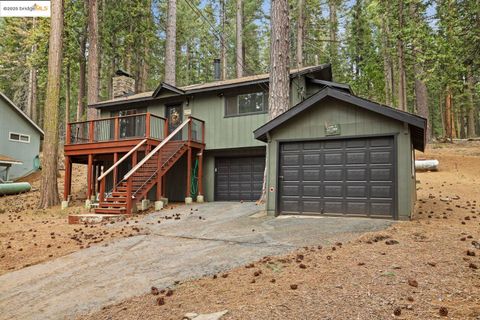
[
  {"x": 353, "y": 177},
  {"x": 239, "y": 178}
]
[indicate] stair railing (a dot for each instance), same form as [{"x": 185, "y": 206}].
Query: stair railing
[
  {"x": 104, "y": 175},
  {"x": 128, "y": 176},
  {"x": 159, "y": 168}
]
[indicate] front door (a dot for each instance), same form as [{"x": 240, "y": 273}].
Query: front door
[{"x": 174, "y": 115}]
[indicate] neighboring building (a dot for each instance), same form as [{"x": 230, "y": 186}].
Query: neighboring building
[
  {"x": 19, "y": 142},
  {"x": 331, "y": 153}
]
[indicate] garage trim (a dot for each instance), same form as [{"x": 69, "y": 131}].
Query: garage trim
[{"x": 394, "y": 135}]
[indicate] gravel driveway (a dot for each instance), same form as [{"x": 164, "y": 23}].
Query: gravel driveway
[{"x": 209, "y": 238}]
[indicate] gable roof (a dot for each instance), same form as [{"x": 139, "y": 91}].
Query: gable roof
[
  {"x": 323, "y": 71},
  {"x": 416, "y": 123},
  {"x": 21, "y": 113},
  {"x": 8, "y": 160}
]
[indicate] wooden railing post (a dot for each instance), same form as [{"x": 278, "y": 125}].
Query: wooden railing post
[
  {"x": 116, "y": 128},
  {"x": 102, "y": 190},
  {"x": 147, "y": 125},
  {"x": 159, "y": 175},
  {"x": 189, "y": 172},
  {"x": 129, "y": 195},
  {"x": 200, "y": 173},
  {"x": 91, "y": 131},
  {"x": 68, "y": 134},
  {"x": 68, "y": 178},
  {"x": 115, "y": 171},
  {"x": 203, "y": 131},
  {"x": 165, "y": 129},
  {"x": 190, "y": 129}
]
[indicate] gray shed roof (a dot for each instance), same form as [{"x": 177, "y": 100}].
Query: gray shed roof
[
  {"x": 416, "y": 123},
  {"x": 21, "y": 113}
]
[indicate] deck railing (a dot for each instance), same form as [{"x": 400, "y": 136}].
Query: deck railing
[{"x": 136, "y": 126}]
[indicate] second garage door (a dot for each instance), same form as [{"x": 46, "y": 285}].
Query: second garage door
[
  {"x": 239, "y": 178},
  {"x": 354, "y": 177}
]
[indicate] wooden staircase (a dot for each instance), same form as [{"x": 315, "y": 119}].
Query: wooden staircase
[{"x": 143, "y": 179}]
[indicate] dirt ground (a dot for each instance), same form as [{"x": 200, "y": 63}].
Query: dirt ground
[
  {"x": 29, "y": 235},
  {"x": 426, "y": 268}
]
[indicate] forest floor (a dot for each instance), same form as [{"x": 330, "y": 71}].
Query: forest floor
[
  {"x": 29, "y": 235},
  {"x": 426, "y": 268}
]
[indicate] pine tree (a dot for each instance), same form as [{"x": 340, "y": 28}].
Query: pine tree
[{"x": 49, "y": 188}]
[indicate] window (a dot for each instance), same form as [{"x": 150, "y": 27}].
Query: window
[
  {"x": 13, "y": 136},
  {"x": 248, "y": 103}
]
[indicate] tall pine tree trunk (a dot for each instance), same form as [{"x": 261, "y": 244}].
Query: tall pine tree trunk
[
  {"x": 387, "y": 58},
  {"x": 279, "y": 82},
  {"x": 402, "y": 81},
  {"x": 81, "y": 76},
  {"x": 421, "y": 99},
  {"x": 300, "y": 32},
  {"x": 32, "y": 94},
  {"x": 32, "y": 84},
  {"x": 333, "y": 29},
  {"x": 239, "y": 39},
  {"x": 49, "y": 188},
  {"x": 93, "y": 58},
  {"x": 223, "y": 44},
  {"x": 449, "y": 117},
  {"x": 171, "y": 43},
  {"x": 471, "y": 105},
  {"x": 67, "y": 94}
]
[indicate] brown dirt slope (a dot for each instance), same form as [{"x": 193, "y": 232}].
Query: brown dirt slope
[
  {"x": 29, "y": 235},
  {"x": 421, "y": 269}
]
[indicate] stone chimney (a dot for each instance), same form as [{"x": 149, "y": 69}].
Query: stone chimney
[{"x": 123, "y": 84}]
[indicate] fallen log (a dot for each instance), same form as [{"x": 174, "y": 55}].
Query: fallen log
[{"x": 426, "y": 165}]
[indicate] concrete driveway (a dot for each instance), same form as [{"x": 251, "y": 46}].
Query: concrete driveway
[{"x": 175, "y": 250}]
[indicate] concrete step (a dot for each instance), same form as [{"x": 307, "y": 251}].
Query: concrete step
[{"x": 92, "y": 218}]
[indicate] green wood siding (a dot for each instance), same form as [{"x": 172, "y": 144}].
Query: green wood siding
[
  {"x": 11, "y": 121},
  {"x": 353, "y": 121}
]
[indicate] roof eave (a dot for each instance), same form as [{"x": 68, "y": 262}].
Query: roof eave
[
  {"x": 19, "y": 111},
  {"x": 412, "y": 120}
]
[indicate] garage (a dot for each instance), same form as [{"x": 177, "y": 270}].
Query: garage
[
  {"x": 338, "y": 154},
  {"x": 353, "y": 177},
  {"x": 239, "y": 178}
]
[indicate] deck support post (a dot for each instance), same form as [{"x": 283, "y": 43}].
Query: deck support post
[
  {"x": 200, "y": 176},
  {"x": 188, "y": 198},
  {"x": 67, "y": 186},
  {"x": 159, "y": 176},
  {"x": 115, "y": 171},
  {"x": 89, "y": 176},
  {"x": 129, "y": 195},
  {"x": 164, "y": 185}
]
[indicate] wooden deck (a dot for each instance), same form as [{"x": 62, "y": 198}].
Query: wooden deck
[{"x": 110, "y": 146}]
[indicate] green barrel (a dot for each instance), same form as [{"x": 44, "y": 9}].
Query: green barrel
[{"x": 14, "y": 188}]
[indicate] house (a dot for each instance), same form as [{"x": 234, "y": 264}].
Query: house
[
  {"x": 331, "y": 153},
  {"x": 19, "y": 143}
]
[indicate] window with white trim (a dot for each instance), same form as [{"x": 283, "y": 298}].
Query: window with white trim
[
  {"x": 18, "y": 137},
  {"x": 245, "y": 104}
]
